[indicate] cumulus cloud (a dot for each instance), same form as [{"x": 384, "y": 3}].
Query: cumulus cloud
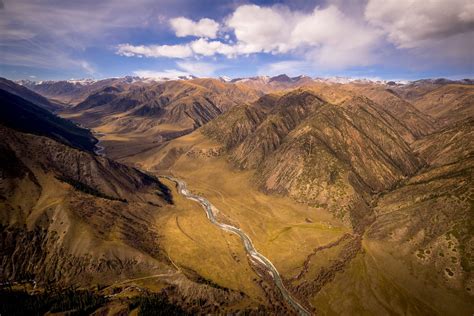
[
  {"x": 203, "y": 28},
  {"x": 325, "y": 36},
  {"x": 263, "y": 29},
  {"x": 209, "y": 48},
  {"x": 328, "y": 37},
  {"x": 199, "y": 47},
  {"x": 411, "y": 24},
  {"x": 339, "y": 41}
]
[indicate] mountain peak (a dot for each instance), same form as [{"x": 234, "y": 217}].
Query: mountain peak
[{"x": 280, "y": 78}]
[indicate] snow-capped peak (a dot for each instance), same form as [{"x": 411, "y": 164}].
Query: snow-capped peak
[
  {"x": 83, "y": 82},
  {"x": 225, "y": 78}
]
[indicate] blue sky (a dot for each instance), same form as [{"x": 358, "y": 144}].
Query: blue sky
[{"x": 387, "y": 39}]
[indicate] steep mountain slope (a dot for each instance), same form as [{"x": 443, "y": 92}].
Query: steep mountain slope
[
  {"x": 22, "y": 115},
  {"x": 417, "y": 123},
  {"x": 426, "y": 224},
  {"x": 57, "y": 202},
  {"x": 448, "y": 103},
  {"x": 22, "y": 92},
  {"x": 402, "y": 116},
  {"x": 50, "y": 189},
  {"x": 447, "y": 145},
  {"x": 316, "y": 152},
  {"x": 418, "y": 254}
]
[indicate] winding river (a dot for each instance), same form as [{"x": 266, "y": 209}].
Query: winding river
[
  {"x": 247, "y": 242},
  {"x": 99, "y": 149}
]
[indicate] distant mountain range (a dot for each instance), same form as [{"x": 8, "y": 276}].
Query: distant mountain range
[
  {"x": 281, "y": 78},
  {"x": 159, "y": 109},
  {"x": 74, "y": 90}
]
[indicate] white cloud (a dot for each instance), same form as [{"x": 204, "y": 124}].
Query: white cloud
[
  {"x": 262, "y": 29},
  {"x": 172, "y": 51},
  {"x": 199, "y": 69},
  {"x": 467, "y": 15},
  {"x": 209, "y": 48},
  {"x": 328, "y": 37},
  {"x": 199, "y": 47},
  {"x": 186, "y": 27},
  {"x": 338, "y": 40},
  {"x": 411, "y": 24}
]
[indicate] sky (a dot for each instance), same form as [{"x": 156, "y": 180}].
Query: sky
[{"x": 377, "y": 39}]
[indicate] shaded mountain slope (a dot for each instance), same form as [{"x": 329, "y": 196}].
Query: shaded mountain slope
[
  {"x": 27, "y": 94},
  {"x": 22, "y": 115},
  {"x": 73, "y": 92},
  {"x": 112, "y": 179},
  {"x": 58, "y": 203}
]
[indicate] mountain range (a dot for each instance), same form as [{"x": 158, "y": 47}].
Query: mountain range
[{"x": 358, "y": 192}]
